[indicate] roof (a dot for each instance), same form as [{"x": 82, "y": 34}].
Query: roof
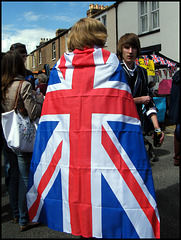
[{"x": 51, "y": 40}]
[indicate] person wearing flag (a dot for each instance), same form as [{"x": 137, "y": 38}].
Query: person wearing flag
[{"x": 89, "y": 174}]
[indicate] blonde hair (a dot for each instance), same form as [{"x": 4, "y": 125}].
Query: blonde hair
[{"x": 87, "y": 32}]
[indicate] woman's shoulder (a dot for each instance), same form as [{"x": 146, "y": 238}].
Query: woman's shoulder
[{"x": 16, "y": 82}]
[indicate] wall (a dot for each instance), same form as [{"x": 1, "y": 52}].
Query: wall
[
  {"x": 111, "y": 29},
  {"x": 170, "y": 29},
  {"x": 63, "y": 42},
  {"x": 127, "y": 18}
]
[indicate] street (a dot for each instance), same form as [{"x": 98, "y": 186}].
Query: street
[{"x": 166, "y": 181}]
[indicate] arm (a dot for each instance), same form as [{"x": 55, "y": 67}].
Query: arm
[
  {"x": 142, "y": 100},
  {"x": 33, "y": 103},
  {"x": 154, "y": 120}
]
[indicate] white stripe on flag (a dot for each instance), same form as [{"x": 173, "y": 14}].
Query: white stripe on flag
[
  {"x": 100, "y": 166},
  {"x": 67, "y": 82},
  {"x": 63, "y": 165},
  {"x": 102, "y": 80}
]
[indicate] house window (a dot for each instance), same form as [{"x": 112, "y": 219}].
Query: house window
[
  {"x": 40, "y": 56},
  {"x": 103, "y": 19},
  {"x": 53, "y": 51},
  {"x": 33, "y": 61},
  {"x": 148, "y": 16},
  {"x": 144, "y": 17},
  {"x": 155, "y": 15}
]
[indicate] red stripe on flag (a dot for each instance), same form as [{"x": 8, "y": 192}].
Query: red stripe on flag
[
  {"x": 105, "y": 55},
  {"x": 80, "y": 153},
  {"x": 131, "y": 182},
  {"x": 45, "y": 180},
  {"x": 62, "y": 66},
  {"x": 104, "y": 100}
]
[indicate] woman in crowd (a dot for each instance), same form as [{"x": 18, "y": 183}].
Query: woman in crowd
[{"x": 13, "y": 72}]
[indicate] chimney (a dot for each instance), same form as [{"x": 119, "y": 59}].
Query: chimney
[
  {"x": 42, "y": 41},
  {"x": 94, "y": 9},
  {"x": 91, "y": 6},
  {"x": 59, "y": 30}
]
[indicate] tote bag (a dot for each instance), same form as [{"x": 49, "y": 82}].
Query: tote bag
[{"x": 19, "y": 131}]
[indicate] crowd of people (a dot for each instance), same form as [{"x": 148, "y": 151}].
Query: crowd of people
[{"x": 33, "y": 93}]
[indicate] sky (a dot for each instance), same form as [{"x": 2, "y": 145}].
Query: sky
[{"x": 29, "y": 21}]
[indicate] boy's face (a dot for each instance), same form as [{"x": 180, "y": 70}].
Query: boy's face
[{"x": 129, "y": 53}]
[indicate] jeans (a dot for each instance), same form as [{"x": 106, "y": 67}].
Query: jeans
[
  {"x": 18, "y": 183},
  {"x": 6, "y": 165}
]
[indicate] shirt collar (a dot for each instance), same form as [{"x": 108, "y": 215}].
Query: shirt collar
[{"x": 131, "y": 71}]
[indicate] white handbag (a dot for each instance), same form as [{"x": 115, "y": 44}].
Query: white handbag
[{"x": 19, "y": 131}]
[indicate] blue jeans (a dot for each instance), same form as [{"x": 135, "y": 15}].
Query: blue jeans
[
  {"x": 6, "y": 165},
  {"x": 18, "y": 183}
]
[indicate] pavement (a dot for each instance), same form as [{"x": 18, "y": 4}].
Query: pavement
[{"x": 166, "y": 180}]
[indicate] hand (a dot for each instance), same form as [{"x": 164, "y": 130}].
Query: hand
[
  {"x": 161, "y": 139},
  {"x": 145, "y": 99},
  {"x": 39, "y": 96},
  {"x": 142, "y": 100}
]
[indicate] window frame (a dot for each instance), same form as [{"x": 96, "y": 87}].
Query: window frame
[
  {"x": 33, "y": 61},
  {"x": 149, "y": 14},
  {"x": 53, "y": 51},
  {"x": 153, "y": 11},
  {"x": 40, "y": 58},
  {"x": 103, "y": 19}
]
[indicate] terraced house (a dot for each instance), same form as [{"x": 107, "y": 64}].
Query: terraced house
[{"x": 156, "y": 23}]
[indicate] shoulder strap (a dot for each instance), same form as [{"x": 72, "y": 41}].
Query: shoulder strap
[
  {"x": 17, "y": 96},
  {"x": 145, "y": 80},
  {"x": 143, "y": 75}
]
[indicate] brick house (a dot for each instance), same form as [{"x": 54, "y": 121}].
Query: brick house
[{"x": 48, "y": 52}]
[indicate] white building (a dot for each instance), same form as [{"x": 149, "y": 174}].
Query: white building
[{"x": 156, "y": 23}]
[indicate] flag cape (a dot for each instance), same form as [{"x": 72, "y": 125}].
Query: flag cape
[{"x": 89, "y": 173}]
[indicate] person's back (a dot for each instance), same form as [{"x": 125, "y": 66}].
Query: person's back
[{"x": 87, "y": 176}]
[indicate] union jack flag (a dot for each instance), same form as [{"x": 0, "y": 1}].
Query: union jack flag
[
  {"x": 162, "y": 61},
  {"x": 89, "y": 173},
  {"x": 170, "y": 64},
  {"x": 155, "y": 58},
  {"x": 137, "y": 61},
  {"x": 145, "y": 59}
]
